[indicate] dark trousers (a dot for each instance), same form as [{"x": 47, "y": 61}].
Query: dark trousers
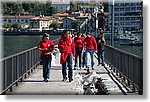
[
  {"x": 78, "y": 55},
  {"x": 46, "y": 61},
  {"x": 100, "y": 55},
  {"x": 83, "y": 59},
  {"x": 67, "y": 63}
]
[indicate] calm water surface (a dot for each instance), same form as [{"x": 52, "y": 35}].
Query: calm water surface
[{"x": 15, "y": 44}]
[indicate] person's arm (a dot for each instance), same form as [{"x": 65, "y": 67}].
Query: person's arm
[
  {"x": 95, "y": 44},
  {"x": 103, "y": 43},
  {"x": 51, "y": 48},
  {"x": 61, "y": 46},
  {"x": 73, "y": 48}
]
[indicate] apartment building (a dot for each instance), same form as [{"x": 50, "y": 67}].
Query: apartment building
[{"x": 128, "y": 16}]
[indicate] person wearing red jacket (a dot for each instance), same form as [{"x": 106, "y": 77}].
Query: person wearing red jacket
[
  {"x": 90, "y": 47},
  {"x": 67, "y": 50},
  {"x": 46, "y": 46},
  {"x": 78, "y": 48}
]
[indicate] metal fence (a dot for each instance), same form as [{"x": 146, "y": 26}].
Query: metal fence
[
  {"x": 18, "y": 66},
  {"x": 127, "y": 66}
]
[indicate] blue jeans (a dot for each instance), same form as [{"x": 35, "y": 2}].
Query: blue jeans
[
  {"x": 67, "y": 63},
  {"x": 46, "y": 61},
  {"x": 91, "y": 52}
]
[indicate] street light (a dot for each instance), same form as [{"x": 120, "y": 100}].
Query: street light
[{"x": 112, "y": 24}]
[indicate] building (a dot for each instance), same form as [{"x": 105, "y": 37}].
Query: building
[
  {"x": 40, "y": 23},
  {"x": 61, "y": 5},
  {"x": 128, "y": 16},
  {"x": 17, "y": 19},
  {"x": 32, "y": 22},
  {"x": 67, "y": 22},
  {"x": 102, "y": 21}
]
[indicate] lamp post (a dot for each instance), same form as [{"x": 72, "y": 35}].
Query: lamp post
[{"x": 112, "y": 23}]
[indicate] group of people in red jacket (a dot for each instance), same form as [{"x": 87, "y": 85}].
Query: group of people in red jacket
[{"x": 72, "y": 49}]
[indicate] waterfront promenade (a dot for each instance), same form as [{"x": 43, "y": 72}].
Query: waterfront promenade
[
  {"x": 34, "y": 84},
  {"x": 23, "y": 74}
]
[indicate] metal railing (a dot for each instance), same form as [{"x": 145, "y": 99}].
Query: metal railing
[
  {"x": 18, "y": 66},
  {"x": 127, "y": 66}
]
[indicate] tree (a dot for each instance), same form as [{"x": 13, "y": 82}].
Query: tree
[
  {"x": 7, "y": 25},
  {"x": 33, "y": 8},
  {"x": 16, "y": 25},
  {"x": 76, "y": 24},
  {"x": 55, "y": 25}
]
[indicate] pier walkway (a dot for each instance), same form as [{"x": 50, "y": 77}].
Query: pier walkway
[{"x": 34, "y": 84}]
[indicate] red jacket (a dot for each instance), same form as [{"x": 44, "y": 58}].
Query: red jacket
[
  {"x": 79, "y": 42},
  {"x": 66, "y": 46},
  {"x": 90, "y": 43},
  {"x": 46, "y": 44}
]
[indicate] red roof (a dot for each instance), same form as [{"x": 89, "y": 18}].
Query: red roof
[{"x": 61, "y": 14}]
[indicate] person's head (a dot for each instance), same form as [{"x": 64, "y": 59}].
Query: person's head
[
  {"x": 67, "y": 34},
  {"x": 45, "y": 36},
  {"x": 88, "y": 34},
  {"x": 101, "y": 34},
  {"x": 79, "y": 34}
]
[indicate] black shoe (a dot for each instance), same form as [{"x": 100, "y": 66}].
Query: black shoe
[
  {"x": 88, "y": 71},
  {"x": 98, "y": 65},
  {"x": 45, "y": 80},
  {"x": 70, "y": 80},
  {"x": 74, "y": 68},
  {"x": 64, "y": 79},
  {"x": 103, "y": 65},
  {"x": 92, "y": 68}
]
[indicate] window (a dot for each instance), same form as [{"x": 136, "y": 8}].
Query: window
[
  {"x": 9, "y": 21},
  {"x": 26, "y": 21},
  {"x": 5, "y": 20}
]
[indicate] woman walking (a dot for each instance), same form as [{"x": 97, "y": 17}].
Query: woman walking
[
  {"x": 66, "y": 47},
  {"x": 46, "y": 46},
  {"x": 79, "y": 40}
]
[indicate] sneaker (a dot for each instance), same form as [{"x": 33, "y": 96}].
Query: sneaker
[
  {"x": 64, "y": 79},
  {"x": 88, "y": 71},
  {"x": 103, "y": 65},
  {"x": 70, "y": 80},
  {"x": 45, "y": 80}
]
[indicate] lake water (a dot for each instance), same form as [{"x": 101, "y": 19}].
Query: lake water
[{"x": 15, "y": 44}]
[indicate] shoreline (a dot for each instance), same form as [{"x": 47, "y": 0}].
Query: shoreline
[{"x": 28, "y": 33}]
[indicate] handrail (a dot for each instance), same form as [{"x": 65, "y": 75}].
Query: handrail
[
  {"x": 18, "y": 66},
  {"x": 129, "y": 66}
]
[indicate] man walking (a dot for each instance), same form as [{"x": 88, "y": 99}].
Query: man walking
[
  {"x": 90, "y": 46},
  {"x": 67, "y": 50}
]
